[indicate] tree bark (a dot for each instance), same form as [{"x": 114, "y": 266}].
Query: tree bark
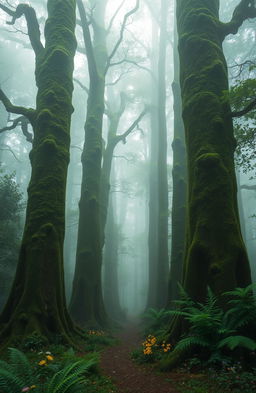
[{"x": 37, "y": 300}]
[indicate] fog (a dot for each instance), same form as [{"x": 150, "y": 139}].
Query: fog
[{"x": 131, "y": 86}]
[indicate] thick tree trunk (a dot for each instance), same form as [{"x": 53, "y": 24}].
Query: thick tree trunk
[
  {"x": 215, "y": 252},
  {"x": 37, "y": 299}
]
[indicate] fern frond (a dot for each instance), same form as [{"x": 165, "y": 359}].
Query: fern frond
[
  {"x": 233, "y": 342},
  {"x": 191, "y": 341},
  {"x": 69, "y": 376}
]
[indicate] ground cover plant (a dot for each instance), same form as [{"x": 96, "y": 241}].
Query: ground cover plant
[
  {"x": 218, "y": 348},
  {"x": 54, "y": 368}
]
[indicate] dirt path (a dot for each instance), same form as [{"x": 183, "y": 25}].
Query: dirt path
[{"x": 128, "y": 377}]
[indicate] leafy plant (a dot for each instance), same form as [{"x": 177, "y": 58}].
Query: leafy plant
[
  {"x": 156, "y": 321},
  {"x": 21, "y": 375},
  {"x": 212, "y": 329}
]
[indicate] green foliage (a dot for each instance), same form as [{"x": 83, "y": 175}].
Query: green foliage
[
  {"x": 19, "y": 374},
  {"x": 34, "y": 342},
  {"x": 156, "y": 321},
  {"x": 211, "y": 329},
  {"x": 10, "y": 231},
  {"x": 243, "y": 306},
  {"x": 96, "y": 340},
  {"x": 241, "y": 95}
]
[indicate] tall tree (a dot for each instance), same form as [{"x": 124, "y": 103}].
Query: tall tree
[
  {"x": 37, "y": 299},
  {"x": 86, "y": 304},
  {"x": 215, "y": 252},
  {"x": 163, "y": 261}
]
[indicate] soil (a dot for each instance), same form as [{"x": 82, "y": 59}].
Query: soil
[{"x": 129, "y": 377}]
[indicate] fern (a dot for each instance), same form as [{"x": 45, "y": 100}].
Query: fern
[
  {"x": 16, "y": 373},
  {"x": 210, "y": 327},
  {"x": 233, "y": 342},
  {"x": 243, "y": 307},
  {"x": 191, "y": 341},
  {"x": 70, "y": 378}
]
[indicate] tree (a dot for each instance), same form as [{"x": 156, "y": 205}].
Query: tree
[
  {"x": 215, "y": 253},
  {"x": 37, "y": 299},
  {"x": 162, "y": 260},
  {"x": 10, "y": 200},
  {"x": 158, "y": 182},
  {"x": 86, "y": 306}
]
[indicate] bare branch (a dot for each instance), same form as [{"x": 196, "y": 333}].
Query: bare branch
[
  {"x": 32, "y": 24},
  {"x": 114, "y": 16},
  {"x": 123, "y": 136},
  {"x": 14, "y": 124},
  {"x": 115, "y": 81},
  {"x": 81, "y": 85},
  {"x": 247, "y": 109},
  {"x": 20, "y": 121},
  {"x": 135, "y": 63},
  {"x": 92, "y": 65},
  {"x": 126, "y": 17},
  {"x": 244, "y": 10},
  {"x": 19, "y": 110}
]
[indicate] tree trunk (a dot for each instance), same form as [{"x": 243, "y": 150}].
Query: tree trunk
[
  {"x": 179, "y": 177},
  {"x": 111, "y": 293},
  {"x": 86, "y": 306},
  {"x": 163, "y": 261},
  {"x": 37, "y": 299},
  {"x": 215, "y": 253}
]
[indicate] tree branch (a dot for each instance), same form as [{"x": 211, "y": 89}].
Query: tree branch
[
  {"x": 81, "y": 85},
  {"x": 244, "y": 10},
  {"x": 20, "y": 121},
  {"x": 29, "y": 113},
  {"x": 126, "y": 16},
  {"x": 135, "y": 63},
  {"x": 247, "y": 109},
  {"x": 114, "y": 16},
  {"x": 32, "y": 24},
  {"x": 92, "y": 65},
  {"x": 123, "y": 136}
]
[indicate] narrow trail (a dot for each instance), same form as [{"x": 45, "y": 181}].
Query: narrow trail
[{"x": 126, "y": 375}]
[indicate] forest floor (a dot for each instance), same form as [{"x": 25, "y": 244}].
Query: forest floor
[{"x": 130, "y": 377}]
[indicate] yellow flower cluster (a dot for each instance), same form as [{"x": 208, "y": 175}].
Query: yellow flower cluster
[
  {"x": 48, "y": 358},
  {"x": 96, "y": 332},
  {"x": 166, "y": 347},
  {"x": 148, "y": 344}
]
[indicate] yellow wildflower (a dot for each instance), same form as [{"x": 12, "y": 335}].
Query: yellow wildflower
[
  {"x": 49, "y": 357},
  {"x": 42, "y": 363}
]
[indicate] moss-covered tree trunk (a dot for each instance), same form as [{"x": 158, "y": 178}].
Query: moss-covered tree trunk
[
  {"x": 86, "y": 304},
  {"x": 179, "y": 177},
  {"x": 215, "y": 253},
  {"x": 37, "y": 300}
]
